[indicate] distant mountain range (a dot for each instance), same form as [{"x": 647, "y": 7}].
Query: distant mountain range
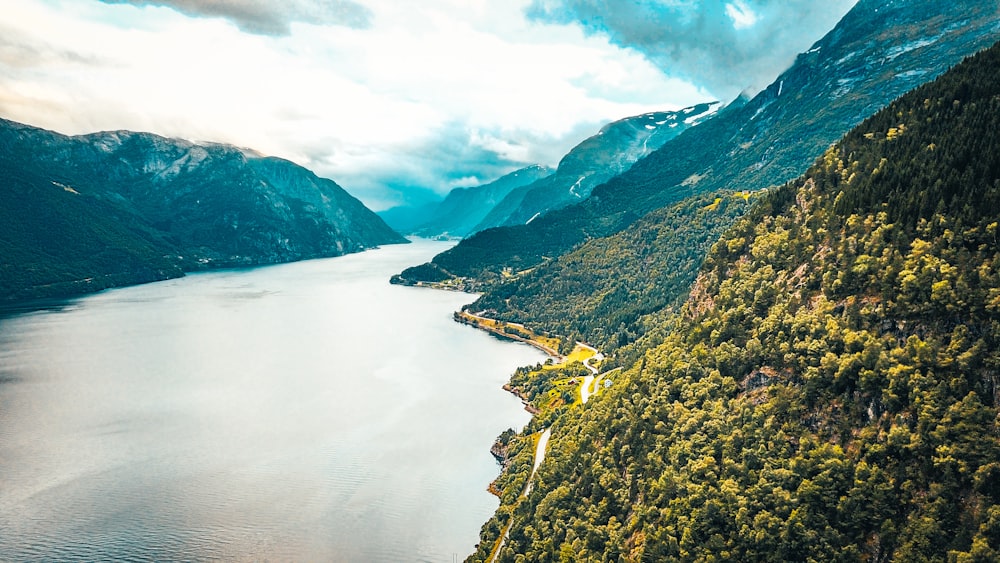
[
  {"x": 462, "y": 209},
  {"x": 878, "y": 51},
  {"x": 613, "y": 150},
  {"x": 114, "y": 208},
  {"x": 528, "y": 193}
]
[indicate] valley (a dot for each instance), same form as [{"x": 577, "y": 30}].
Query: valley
[{"x": 765, "y": 328}]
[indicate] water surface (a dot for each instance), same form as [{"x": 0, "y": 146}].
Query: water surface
[{"x": 307, "y": 411}]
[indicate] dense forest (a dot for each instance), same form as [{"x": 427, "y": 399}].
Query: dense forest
[
  {"x": 57, "y": 241},
  {"x": 603, "y": 291},
  {"x": 829, "y": 389}
]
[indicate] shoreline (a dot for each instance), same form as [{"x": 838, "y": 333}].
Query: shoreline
[
  {"x": 40, "y": 296},
  {"x": 590, "y": 386},
  {"x": 482, "y": 323}
]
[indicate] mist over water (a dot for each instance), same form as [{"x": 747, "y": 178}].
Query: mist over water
[{"x": 308, "y": 411}]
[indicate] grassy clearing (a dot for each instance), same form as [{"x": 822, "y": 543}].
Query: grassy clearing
[
  {"x": 553, "y": 387},
  {"x": 580, "y": 354},
  {"x": 548, "y": 387}
]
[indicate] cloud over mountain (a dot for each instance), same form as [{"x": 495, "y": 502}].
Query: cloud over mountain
[
  {"x": 387, "y": 97},
  {"x": 725, "y": 46}
]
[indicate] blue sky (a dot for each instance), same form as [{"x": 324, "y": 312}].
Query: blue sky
[{"x": 395, "y": 100}]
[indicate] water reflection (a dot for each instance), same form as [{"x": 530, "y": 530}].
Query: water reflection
[{"x": 300, "y": 412}]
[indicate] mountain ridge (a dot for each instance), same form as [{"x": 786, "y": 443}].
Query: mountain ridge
[
  {"x": 179, "y": 205},
  {"x": 463, "y": 208},
  {"x": 609, "y": 152},
  {"x": 768, "y": 140}
]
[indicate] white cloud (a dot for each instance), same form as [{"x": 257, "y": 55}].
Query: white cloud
[
  {"x": 427, "y": 93},
  {"x": 723, "y": 46},
  {"x": 741, "y": 14},
  {"x": 501, "y": 147}
]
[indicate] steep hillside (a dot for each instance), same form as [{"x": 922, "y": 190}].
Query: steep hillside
[
  {"x": 880, "y": 49},
  {"x": 601, "y": 291},
  {"x": 167, "y": 205},
  {"x": 54, "y": 241},
  {"x": 830, "y": 389},
  {"x": 594, "y": 161}
]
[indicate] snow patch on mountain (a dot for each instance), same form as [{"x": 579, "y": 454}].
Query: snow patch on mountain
[
  {"x": 911, "y": 46},
  {"x": 713, "y": 108}
]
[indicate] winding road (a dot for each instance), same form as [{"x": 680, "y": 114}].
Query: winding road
[
  {"x": 543, "y": 443},
  {"x": 588, "y": 389}
]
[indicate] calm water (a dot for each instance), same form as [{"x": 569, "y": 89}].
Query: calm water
[{"x": 302, "y": 412}]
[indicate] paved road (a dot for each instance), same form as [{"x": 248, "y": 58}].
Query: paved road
[
  {"x": 543, "y": 443},
  {"x": 588, "y": 389}
]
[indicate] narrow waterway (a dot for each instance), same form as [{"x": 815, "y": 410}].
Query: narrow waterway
[{"x": 307, "y": 411}]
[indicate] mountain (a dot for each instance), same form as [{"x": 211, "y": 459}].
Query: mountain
[
  {"x": 828, "y": 391},
  {"x": 609, "y": 291},
  {"x": 463, "y": 208},
  {"x": 879, "y": 50},
  {"x": 530, "y": 192},
  {"x": 406, "y": 218},
  {"x": 594, "y": 161},
  {"x": 93, "y": 211}
]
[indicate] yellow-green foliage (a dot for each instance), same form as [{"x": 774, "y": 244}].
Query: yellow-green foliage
[
  {"x": 552, "y": 387},
  {"x": 579, "y": 354},
  {"x": 830, "y": 390},
  {"x": 604, "y": 291},
  {"x": 511, "y": 330}
]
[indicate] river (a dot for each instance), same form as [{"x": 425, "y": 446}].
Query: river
[{"x": 301, "y": 412}]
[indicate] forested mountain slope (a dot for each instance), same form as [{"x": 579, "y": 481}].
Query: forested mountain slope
[
  {"x": 55, "y": 242},
  {"x": 879, "y": 50},
  {"x": 93, "y": 211},
  {"x": 830, "y": 389},
  {"x": 604, "y": 291}
]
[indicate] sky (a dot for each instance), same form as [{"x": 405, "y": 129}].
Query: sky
[{"x": 398, "y": 101}]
